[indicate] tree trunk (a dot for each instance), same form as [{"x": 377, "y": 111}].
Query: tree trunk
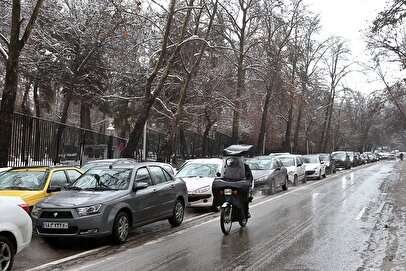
[
  {"x": 85, "y": 121},
  {"x": 262, "y": 129},
  {"x": 25, "y": 108},
  {"x": 289, "y": 127},
  {"x": 36, "y": 101}
]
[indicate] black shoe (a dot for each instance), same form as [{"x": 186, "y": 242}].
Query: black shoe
[{"x": 250, "y": 199}]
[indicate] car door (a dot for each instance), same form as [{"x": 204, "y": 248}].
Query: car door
[
  {"x": 58, "y": 179},
  {"x": 166, "y": 189},
  {"x": 144, "y": 202},
  {"x": 300, "y": 168},
  {"x": 278, "y": 172}
]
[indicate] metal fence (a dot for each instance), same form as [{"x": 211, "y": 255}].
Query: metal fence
[{"x": 37, "y": 141}]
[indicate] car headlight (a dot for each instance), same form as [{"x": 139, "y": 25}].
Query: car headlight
[
  {"x": 36, "y": 211},
  {"x": 203, "y": 189},
  {"x": 89, "y": 210}
]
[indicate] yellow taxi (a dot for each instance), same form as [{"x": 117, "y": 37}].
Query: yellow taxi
[{"x": 33, "y": 184}]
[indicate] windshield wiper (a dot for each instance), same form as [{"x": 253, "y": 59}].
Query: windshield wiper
[
  {"x": 99, "y": 188},
  {"x": 16, "y": 188},
  {"x": 73, "y": 188}
]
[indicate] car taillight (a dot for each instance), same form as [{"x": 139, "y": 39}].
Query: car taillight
[{"x": 25, "y": 206}]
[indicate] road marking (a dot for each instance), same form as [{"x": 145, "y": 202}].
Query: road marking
[
  {"x": 66, "y": 259},
  {"x": 361, "y": 213}
]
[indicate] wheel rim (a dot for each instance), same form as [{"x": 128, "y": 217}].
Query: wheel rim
[
  {"x": 5, "y": 256},
  {"x": 179, "y": 212},
  {"x": 123, "y": 228}
]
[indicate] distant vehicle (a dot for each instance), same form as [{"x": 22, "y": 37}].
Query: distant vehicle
[
  {"x": 107, "y": 162},
  {"x": 295, "y": 168},
  {"x": 342, "y": 159},
  {"x": 15, "y": 231},
  {"x": 269, "y": 173},
  {"x": 363, "y": 158},
  {"x": 112, "y": 200},
  {"x": 353, "y": 158},
  {"x": 33, "y": 184},
  {"x": 199, "y": 174},
  {"x": 329, "y": 161},
  {"x": 315, "y": 167},
  {"x": 371, "y": 157}
]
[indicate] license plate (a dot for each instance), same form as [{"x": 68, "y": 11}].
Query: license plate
[
  {"x": 228, "y": 191},
  {"x": 55, "y": 225}
]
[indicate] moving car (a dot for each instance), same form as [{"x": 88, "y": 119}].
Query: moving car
[
  {"x": 295, "y": 168},
  {"x": 315, "y": 167},
  {"x": 110, "y": 201},
  {"x": 199, "y": 174},
  {"x": 15, "y": 231},
  {"x": 342, "y": 159},
  {"x": 33, "y": 184},
  {"x": 268, "y": 173},
  {"x": 329, "y": 161}
]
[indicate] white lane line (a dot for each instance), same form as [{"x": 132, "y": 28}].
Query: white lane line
[
  {"x": 67, "y": 259},
  {"x": 361, "y": 213}
]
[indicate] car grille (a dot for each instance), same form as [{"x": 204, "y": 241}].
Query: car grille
[
  {"x": 56, "y": 214},
  {"x": 70, "y": 230},
  {"x": 310, "y": 172}
]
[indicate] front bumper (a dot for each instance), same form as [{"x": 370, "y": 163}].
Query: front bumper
[
  {"x": 78, "y": 226},
  {"x": 312, "y": 173},
  {"x": 200, "y": 200}
]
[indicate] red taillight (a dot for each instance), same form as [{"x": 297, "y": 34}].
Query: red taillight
[
  {"x": 25, "y": 206},
  {"x": 221, "y": 192},
  {"x": 235, "y": 192}
]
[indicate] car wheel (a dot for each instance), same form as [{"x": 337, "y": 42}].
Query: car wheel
[
  {"x": 324, "y": 175},
  {"x": 295, "y": 180},
  {"x": 319, "y": 177},
  {"x": 271, "y": 188},
  {"x": 121, "y": 228},
  {"x": 7, "y": 252},
  {"x": 285, "y": 186},
  {"x": 178, "y": 213},
  {"x": 215, "y": 208}
]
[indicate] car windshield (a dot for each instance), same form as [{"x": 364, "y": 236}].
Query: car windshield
[
  {"x": 103, "y": 179},
  {"x": 287, "y": 161},
  {"x": 258, "y": 164},
  {"x": 22, "y": 180},
  {"x": 339, "y": 155},
  {"x": 198, "y": 170},
  {"x": 310, "y": 159},
  {"x": 324, "y": 157}
]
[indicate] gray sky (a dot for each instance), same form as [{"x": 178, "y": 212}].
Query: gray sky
[{"x": 347, "y": 18}]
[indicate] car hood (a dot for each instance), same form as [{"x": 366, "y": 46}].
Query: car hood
[
  {"x": 311, "y": 165},
  {"x": 197, "y": 182},
  {"x": 291, "y": 168},
  {"x": 258, "y": 174},
  {"x": 69, "y": 199}
]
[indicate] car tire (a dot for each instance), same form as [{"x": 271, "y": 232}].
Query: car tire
[
  {"x": 304, "y": 179},
  {"x": 178, "y": 214},
  {"x": 324, "y": 175},
  {"x": 295, "y": 180},
  {"x": 215, "y": 208},
  {"x": 271, "y": 189},
  {"x": 7, "y": 251},
  {"x": 121, "y": 228},
  {"x": 285, "y": 186},
  {"x": 319, "y": 177}
]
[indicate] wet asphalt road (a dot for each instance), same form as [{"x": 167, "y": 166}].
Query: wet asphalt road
[{"x": 352, "y": 220}]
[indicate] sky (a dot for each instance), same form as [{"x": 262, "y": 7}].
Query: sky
[{"x": 347, "y": 18}]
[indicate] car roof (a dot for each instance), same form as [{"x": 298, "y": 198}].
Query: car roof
[
  {"x": 205, "y": 160},
  {"x": 130, "y": 160},
  {"x": 41, "y": 168}
]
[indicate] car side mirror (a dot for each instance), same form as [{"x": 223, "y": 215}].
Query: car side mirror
[
  {"x": 322, "y": 162},
  {"x": 139, "y": 186},
  {"x": 52, "y": 189},
  {"x": 299, "y": 165}
]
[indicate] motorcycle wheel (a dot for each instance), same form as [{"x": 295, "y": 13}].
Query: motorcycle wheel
[{"x": 226, "y": 219}]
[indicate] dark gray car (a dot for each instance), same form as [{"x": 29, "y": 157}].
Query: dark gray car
[
  {"x": 111, "y": 201},
  {"x": 269, "y": 173}
]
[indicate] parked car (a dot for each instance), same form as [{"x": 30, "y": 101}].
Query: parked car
[
  {"x": 199, "y": 174},
  {"x": 342, "y": 159},
  {"x": 15, "y": 231},
  {"x": 315, "y": 167},
  {"x": 110, "y": 201},
  {"x": 106, "y": 162},
  {"x": 353, "y": 158},
  {"x": 371, "y": 157},
  {"x": 18, "y": 201},
  {"x": 33, "y": 184},
  {"x": 295, "y": 168},
  {"x": 363, "y": 158},
  {"x": 268, "y": 173},
  {"x": 329, "y": 161}
]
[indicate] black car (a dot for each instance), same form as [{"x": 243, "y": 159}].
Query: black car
[
  {"x": 330, "y": 163},
  {"x": 342, "y": 159}
]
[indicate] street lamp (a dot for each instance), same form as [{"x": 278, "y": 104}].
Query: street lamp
[{"x": 110, "y": 131}]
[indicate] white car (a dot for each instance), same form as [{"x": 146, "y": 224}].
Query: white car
[
  {"x": 315, "y": 167},
  {"x": 295, "y": 167},
  {"x": 199, "y": 174},
  {"x": 15, "y": 231}
]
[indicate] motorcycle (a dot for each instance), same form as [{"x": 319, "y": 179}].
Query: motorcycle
[{"x": 232, "y": 197}]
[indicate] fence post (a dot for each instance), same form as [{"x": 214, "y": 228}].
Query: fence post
[
  {"x": 82, "y": 148},
  {"x": 110, "y": 147}
]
